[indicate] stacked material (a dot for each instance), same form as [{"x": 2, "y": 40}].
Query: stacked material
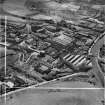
[{"x": 77, "y": 59}]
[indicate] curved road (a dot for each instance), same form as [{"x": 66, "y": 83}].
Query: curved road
[{"x": 94, "y": 50}]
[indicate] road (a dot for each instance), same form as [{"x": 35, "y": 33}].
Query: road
[{"x": 94, "y": 50}]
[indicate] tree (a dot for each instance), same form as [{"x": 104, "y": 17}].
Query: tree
[{"x": 2, "y": 1}]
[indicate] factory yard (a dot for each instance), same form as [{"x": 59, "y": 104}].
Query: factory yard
[
  {"x": 55, "y": 97},
  {"x": 52, "y": 52}
]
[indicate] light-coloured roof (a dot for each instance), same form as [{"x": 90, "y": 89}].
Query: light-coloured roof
[{"x": 63, "y": 39}]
